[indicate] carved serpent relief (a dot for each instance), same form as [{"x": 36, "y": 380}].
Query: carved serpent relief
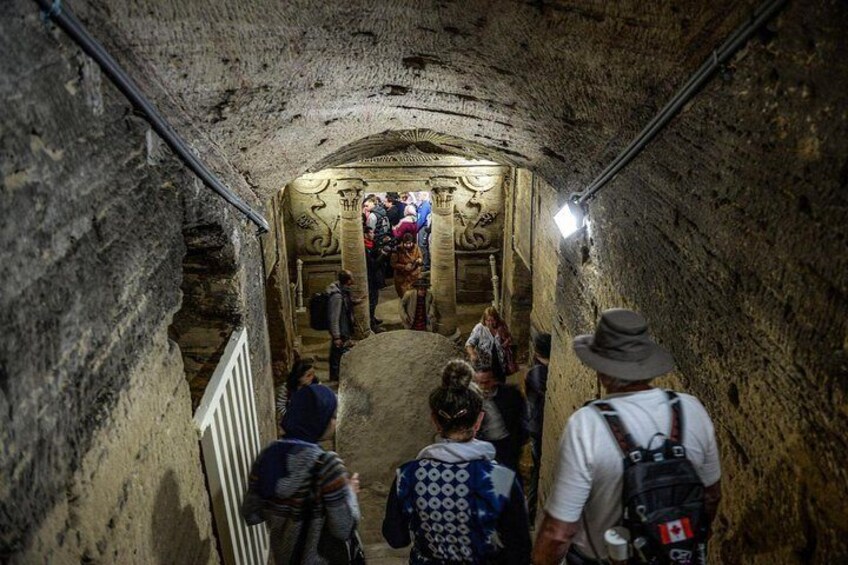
[
  {"x": 321, "y": 237},
  {"x": 473, "y": 223}
]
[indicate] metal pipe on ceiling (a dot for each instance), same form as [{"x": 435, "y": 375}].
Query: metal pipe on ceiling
[
  {"x": 64, "y": 18},
  {"x": 716, "y": 60}
]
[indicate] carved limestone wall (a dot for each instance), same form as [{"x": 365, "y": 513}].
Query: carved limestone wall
[
  {"x": 312, "y": 210},
  {"x": 478, "y": 212},
  {"x": 315, "y": 211}
]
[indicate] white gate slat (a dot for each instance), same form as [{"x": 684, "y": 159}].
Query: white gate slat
[
  {"x": 227, "y": 430},
  {"x": 237, "y": 430},
  {"x": 229, "y": 487},
  {"x": 229, "y": 439},
  {"x": 245, "y": 424},
  {"x": 252, "y": 443},
  {"x": 214, "y": 468},
  {"x": 249, "y": 445},
  {"x": 235, "y": 401},
  {"x": 245, "y": 459},
  {"x": 250, "y": 413}
]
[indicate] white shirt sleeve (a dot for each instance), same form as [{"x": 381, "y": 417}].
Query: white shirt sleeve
[
  {"x": 474, "y": 338},
  {"x": 709, "y": 468},
  {"x": 573, "y": 481}
]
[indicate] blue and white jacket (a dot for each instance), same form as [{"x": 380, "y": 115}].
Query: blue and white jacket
[{"x": 457, "y": 505}]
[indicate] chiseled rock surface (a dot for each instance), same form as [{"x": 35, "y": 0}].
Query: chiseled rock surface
[
  {"x": 384, "y": 416},
  {"x": 282, "y": 88}
]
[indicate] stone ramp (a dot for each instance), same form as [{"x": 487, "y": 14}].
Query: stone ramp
[
  {"x": 384, "y": 418},
  {"x": 372, "y": 501}
]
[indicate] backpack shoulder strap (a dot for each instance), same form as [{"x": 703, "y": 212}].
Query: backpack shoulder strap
[
  {"x": 308, "y": 509},
  {"x": 619, "y": 431},
  {"x": 676, "y": 434}
]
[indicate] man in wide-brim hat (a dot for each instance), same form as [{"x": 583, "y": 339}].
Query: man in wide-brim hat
[
  {"x": 418, "y": 307},
  {"x": 586, "y": 497}
]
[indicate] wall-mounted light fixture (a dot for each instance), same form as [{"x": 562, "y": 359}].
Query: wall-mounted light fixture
[{"x": 572, "y": 216}]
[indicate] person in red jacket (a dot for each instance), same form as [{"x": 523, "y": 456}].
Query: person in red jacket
[{"x": 407, "y": 224}]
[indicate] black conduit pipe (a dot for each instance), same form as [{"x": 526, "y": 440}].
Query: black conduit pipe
[
  {"x": 721, "y": 55},
  {"x": 55, "y": 11}
]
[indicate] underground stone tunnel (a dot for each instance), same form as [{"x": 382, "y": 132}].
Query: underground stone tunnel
[{"x": 124, "y": 277}]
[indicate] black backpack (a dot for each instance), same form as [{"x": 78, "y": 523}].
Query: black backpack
[
  {"x": 384, "y": 226},
  {"x": 662, "y": 495},
  {"x": 319, "y": 311}
]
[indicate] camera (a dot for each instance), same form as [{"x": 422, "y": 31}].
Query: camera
[{"x": 388, "y": 244}]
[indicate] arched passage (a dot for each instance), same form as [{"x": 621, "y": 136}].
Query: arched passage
[{"x": 728, "y": 232}]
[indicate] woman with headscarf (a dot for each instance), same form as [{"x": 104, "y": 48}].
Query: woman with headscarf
[
  {"x": 406, "y": 262},
  {"x": 303, "y": 492},
  {"x": 407, "y": 224},
  {"x": 454, "y": 503},
  {"x": 490, "y": 345}
]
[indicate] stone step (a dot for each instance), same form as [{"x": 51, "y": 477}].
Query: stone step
[{"x": 382, "y": 553}]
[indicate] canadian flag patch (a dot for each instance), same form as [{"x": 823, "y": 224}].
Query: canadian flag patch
[{"x": 675, "y": 531}]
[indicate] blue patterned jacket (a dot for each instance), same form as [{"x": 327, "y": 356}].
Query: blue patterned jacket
[{"x": 456, "y": 505}]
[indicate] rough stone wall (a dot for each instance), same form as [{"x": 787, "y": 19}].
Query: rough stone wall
[
  {"x": 227, "y": 268},
  {"x": 138, "y": 495},
  {"x": 516, "y": 278},
  {"x": 530, "y": 292},
  {"x": 545, "y": 249},
  {"x": 278, "y": 294},
  {"x": 729, "y": 234},
  {"x": 224, "y": 287},
  {"x": 100, "y": 460},
  {"x": 209, "y": 312},
  {"x": 96, "y": 413}
]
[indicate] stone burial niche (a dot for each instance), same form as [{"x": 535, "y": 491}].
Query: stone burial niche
[{"x": 312, "y": 213}]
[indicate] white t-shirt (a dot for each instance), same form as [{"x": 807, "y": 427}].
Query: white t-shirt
[{"x": 590, "y": 469}]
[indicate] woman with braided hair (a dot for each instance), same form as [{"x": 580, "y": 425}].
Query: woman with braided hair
[{"x": 454, "y": 503}]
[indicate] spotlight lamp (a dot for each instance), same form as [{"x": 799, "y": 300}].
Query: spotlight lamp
[{"x": 572, "y": 216}]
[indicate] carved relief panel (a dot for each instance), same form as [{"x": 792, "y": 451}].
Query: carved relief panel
[
  {"x": 478, "y": 213},
  {"x": 315, "y": 211},
  {"x": 478, "y": 204}
]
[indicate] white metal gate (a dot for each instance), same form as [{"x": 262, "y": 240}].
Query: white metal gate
[{"x": 229, "y": 439}]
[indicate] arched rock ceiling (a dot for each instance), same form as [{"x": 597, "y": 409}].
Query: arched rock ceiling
[{"x": 278, "y": 87}]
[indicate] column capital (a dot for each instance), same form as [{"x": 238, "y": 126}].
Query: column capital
[
  {"x": 442, "y": 189},
  {"x": 350, "y": 196}
]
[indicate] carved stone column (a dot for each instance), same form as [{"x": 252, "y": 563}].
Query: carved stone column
[
  {"x": 442, "y": 255},
  {"x": 353, "y": 248}
]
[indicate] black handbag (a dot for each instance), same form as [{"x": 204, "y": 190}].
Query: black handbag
[
  {"x": 339, "y": 552},
  {"x": 332, "y": 549}
]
